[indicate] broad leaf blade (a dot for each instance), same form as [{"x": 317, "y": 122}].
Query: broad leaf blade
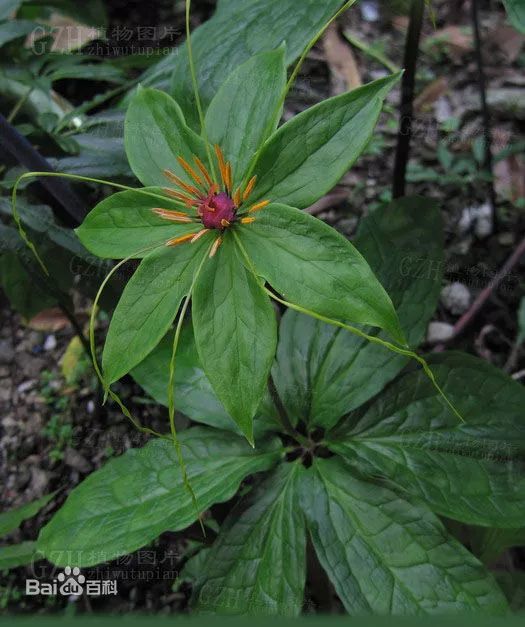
[
  {"x": 309, "y": 154},
  {"x": 312, "y": 265},
  {"x": 11, "y": 520},
  {"x": 135, "y": 497},
  {"x": 385, "y": 555},
  {"x": 235, "y": 333},
  {"x": 470, "y": 472},
  {"x": 148, "y": 306},
  {"x": 323, "y": 372},
  {"x": 257, "y": 564},
  {"x": 155, "y": 135},
  {"x": 124, "y": 224},
  {"x": 17, "y": 555},
  {"x": 244, "y": 112},
  {"x": 194, "y": 395}
]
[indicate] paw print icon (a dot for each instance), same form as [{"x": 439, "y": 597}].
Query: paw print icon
[{"x": 71, "y": 581}]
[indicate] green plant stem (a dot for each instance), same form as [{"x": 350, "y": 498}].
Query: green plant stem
[
  {"x": 107, "y": 390},
  {"x": 196, "y": 90},
  {"x": 171, "y": 389},
  {"x": 18, "y": 105},
  {"x": 371, "y": 52}
]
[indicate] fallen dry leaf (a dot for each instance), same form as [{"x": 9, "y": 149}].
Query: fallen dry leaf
[
  {"x": 508, "y": 40},
  {"x": 49, "y": 320},
  {"x": 457, "y": 40},
  {"x": 509, "y": 176},
  {"x": 341, "y": 61},
  {"x": 431, "y": 94}
]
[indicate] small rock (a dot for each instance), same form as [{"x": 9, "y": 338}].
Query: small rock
[
  {"x": 9, "y": 424},
  {"x": 508, "y": 102},
  {"x": 76, "y": 461},
  {"x": 439, "y": 332},
  {"x": 5, "y": 393},
  {"x": 456, "y": 298},
  {"x": 4, "y": 372},
  {"x": 25, "y": 386},
  {"x": 90, "y": 407},
  {"x": 369, "y": 10},
  {"x": 478, "y": 218},
  {"x": 50, "y": 343},
  {"x": 39, "y": 481},
  {"x": 7, "y": 353}
]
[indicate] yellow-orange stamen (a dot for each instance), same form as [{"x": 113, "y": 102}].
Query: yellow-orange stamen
[
  {"x": 180, "y": 196},
  {"x": 203, "y": 170},
  {"x": 189, "y": 170},
  {"x": 247, "y": 220},
  {"x": 180, "y": 240},
  {"x": 222, "y": 165},
  {"x": 249, "y": 188},
  {"x": 258, "y": 206},
  {"x": 174, "y": 216},
  {"x": 178, "y": 181},
  {"x": 229, "y": 177},
  {"x": 225, "y": 223},
  {"x": 237, "y": 197},
  {"x": 215, "y": 247},
  {"x": 199, "y": 235}
]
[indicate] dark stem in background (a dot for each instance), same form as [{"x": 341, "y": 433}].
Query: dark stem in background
[
  {"x": 406, "y": 109},
  {"x": 487, "y": 129},
  {"x": 22, "y": 150}
]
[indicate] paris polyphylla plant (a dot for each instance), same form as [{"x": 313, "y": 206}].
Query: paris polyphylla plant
[{"x": 231, "y": 243}]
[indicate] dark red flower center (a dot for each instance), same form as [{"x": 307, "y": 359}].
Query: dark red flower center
[{"x": 218, "y": 211}]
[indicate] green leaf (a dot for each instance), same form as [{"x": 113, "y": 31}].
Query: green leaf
[
  {"x": 385, "y": 555},
  {"x": 403, "y": 243},
  {"x": 238, "y": 30},
  {"x": 309, "y": 154},
  {"x": 40, "y": 218},
  {"x": 12, "y": 519},
  {"x": 235, "y": 333},
  {"x": 148, "y": 306},
  {"x": 469, "y": 471},
  {"x": 155, "y": 134},
  {"x": 24, "y": 296},
  {"x": 257, "y": 564},
  {"x": 124, "y": 224},
  {"x": 194, "y": 395},
  {"x": 323, "y": 372},
  {"x": 312, "y": 265},
  {"x": 16, "y": 555},
  {"x": 516, "y": 13},
  {"x": 135, "y": 497},
  {"x": 244, "y": 112}
]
